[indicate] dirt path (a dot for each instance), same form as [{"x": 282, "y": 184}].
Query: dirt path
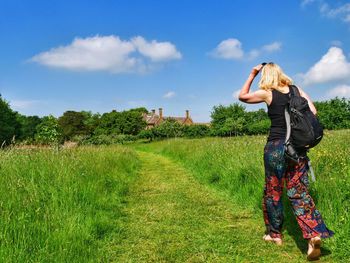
[{"x": 170, "y": 217}]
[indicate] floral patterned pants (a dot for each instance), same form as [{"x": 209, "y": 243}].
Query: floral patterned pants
[{"x": 277, "y": 171}]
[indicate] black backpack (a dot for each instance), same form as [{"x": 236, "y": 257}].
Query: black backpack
[{"x": 304, "y": 131}]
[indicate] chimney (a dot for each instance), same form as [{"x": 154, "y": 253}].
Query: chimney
[
  {"x": 187, "y": 114},
  {"x": 160, "y": 113},
  {"x": 153, "y": 111}
]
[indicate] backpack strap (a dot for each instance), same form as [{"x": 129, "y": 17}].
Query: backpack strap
[
  {"x": 287, "y": 117},
  {"x": 294, "y": 90}
]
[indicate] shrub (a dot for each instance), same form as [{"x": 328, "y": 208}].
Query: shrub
[
  {"x": 195, "y": 131},
  {"x": 259, "y": 127},
  {"x": 9, "y": 125},
  {"x": 168, "y": 129},
  {"x": 48, "y": 131}
]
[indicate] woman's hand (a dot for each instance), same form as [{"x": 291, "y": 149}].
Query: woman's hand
[
  {"x": 256, "y": 69},
  {"x": 254, "y": 97}
]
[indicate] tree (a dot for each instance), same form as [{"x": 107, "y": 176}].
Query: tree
[
  {"x": 48, "y": 131},
  {"x": 168, "y": 129},
  {"x": 232, "y": 126},
  {"x": 259, "y": 127},
  {"x": 9, "y": 125},
  {"x": 140, "y": 109},
  {"x": 196, "y": 130},
  {"x": 257, "y": 122},
  {"x": 227, "y": 118},
  {"x": 91, "y": 121},
  {"x": 146, "y": 134},
  {"x": 125, "y": 122},
  {"x": 334, "y": 114},
  {"x": 131, "y": 122},
  {"x": 28, "y": 126},
  {"x": 72, "y": 123},
  {"x": 109, "y": 123}
]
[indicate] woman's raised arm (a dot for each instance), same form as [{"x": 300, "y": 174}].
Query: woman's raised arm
[{"x": 253, "y": 97}]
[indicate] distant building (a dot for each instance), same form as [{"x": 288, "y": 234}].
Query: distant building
[{"x": 154, "y": 119}]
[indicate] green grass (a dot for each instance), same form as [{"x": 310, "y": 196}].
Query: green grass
[
  {"x": 171, "y": 217},
  {"x": 177, "y": 200},
  {"x": 234, "y": 167},
  {"x": 63, "y": 206}
]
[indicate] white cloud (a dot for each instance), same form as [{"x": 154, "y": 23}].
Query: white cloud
[
  {"x": 254, "y": 53},
  {"x": 306, "y": 2},
  {"x": 232, "y": 49},
  {"x": 342, "y": 12},
  {"x": 335, "y": 12},
  {"x": 108, "y": 53},
  {"x": 340, "y": 91},
  {"x": 275, "y": 46},
  {"x": 333, "y": 66},
  {"x": 229, "y": 49},
  {"x": 156, "y": 51},
  {"x": 169, "y": 95}
]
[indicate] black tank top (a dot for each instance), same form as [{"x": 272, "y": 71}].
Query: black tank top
[{"x": 275, "y": 112}]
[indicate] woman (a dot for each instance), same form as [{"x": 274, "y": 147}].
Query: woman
[{"x": 274, "y": 91}]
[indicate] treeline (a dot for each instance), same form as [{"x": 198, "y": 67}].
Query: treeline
[
  {"x": 333, "y": 114},
  {"x": 235, "y": 120},
  {"x": 85, "y": 127},
  {"x": 82, "y": 127}
]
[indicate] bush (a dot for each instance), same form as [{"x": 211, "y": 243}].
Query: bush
[
  {"x": 196, "y": 131},
  {"x": 146, "y": 134},
  {"x": 103, "y": 139},
  {"x": 235, "y": 120},
  {"x": 72, "y": 123},
  {"x": 48, "y": 131},
  {"x": 9, "y": 125},
  {"x": 28, "y": 127},
  {"x": 168, "y": 129},
  {"x": 334, "y": 114},
  {"x": 260, "y": 127}
]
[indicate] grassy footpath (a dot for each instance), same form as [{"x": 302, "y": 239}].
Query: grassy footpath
[
  {"x": 171, "y": 217},
  {"x": 171, "y": 201},
  {"x": 234, "y": 167},
  {"x": 63, "y": 206}
]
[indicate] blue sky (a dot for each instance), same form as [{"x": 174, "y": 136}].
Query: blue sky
[{"x": 175, "y": 54}]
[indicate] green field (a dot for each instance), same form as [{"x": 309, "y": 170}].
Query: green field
[
  {"x": 178, "y": 200},
  {"x": 63, "y": 206}
]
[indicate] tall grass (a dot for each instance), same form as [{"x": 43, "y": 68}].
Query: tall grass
[
  {"x": 234, "y": 166},
  {"x": 62, "y": 206}
]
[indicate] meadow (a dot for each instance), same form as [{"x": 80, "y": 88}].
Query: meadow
[
  {"x": 234, "y": 166},
  {"x": 176, "y": 200},
  {"x": 62, "y": 206}
]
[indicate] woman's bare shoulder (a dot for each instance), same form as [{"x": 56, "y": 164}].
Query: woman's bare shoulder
[{"x": 266, "y": 95}]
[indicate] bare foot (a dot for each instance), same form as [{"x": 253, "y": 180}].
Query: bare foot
[
  {"x": 276, "y": 240},
  {"x": 314, "y": 250}
]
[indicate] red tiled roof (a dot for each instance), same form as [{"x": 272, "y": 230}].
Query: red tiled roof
[{"x": 151, "y": 118}]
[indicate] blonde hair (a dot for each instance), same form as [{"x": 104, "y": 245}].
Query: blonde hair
[{"x": 272, "y": 77}]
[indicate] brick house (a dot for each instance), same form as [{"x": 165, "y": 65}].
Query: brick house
[{"x": 154, "y": 119}]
